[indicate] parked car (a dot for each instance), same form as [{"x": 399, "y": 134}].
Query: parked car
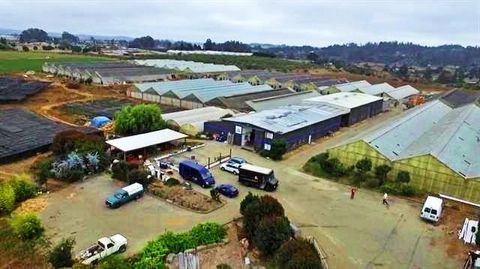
[
  {"x": 196, "y": 173},
  {"x": 258, "y": 177},
  {"x": 432, "y": 209},
  {"x": 227, "y": 190},
  {"x": 232, "y": 165},
  {"x": 104, "y": 247},
  {"x": 125, "y": 195}
]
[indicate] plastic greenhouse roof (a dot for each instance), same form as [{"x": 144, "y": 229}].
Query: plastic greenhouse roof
[
  {"x": 196, "y": 67},
  {"x": 450, "y": 135},
  {"x": 377, "y": 89},
  {"x": 198, "y": 116},
  {"x": 352, "y": 86},
  {"x": 289, "y": 118},
  {"x": 403, "y": 92}
]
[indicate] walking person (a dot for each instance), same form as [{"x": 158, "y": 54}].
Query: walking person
[
  {"x": 385, "y": 200},
  {"x": 352, "y": 193}
]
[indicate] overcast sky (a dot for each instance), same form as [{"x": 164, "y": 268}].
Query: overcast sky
[{"x": 294, "y": 22}]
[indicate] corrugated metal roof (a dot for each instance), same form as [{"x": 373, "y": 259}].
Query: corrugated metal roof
[
  {"x": 377, "y": 89},
  {"x": 347, "y": 100},
  {"x": 289, "y": 118},
  {"x": 280, "y": 100},
  {"x": 450, "y": 135},
  {"x": 403, "y": 92},
  {"x": 197, "y": 117}
]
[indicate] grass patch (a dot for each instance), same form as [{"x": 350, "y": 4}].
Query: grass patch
[
  {"x": 17, "y": 61},
  {"x": 17, "y": 253}
]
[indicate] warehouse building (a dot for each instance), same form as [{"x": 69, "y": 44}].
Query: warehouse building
[
  {"x": 344, "y": 87},
  {"x": 191, "y": 121},
  {"x": 401, "y": 94},
  {"x": 437, "y": 144},
  {"x": 377, "y": 89},
  {"x": 359, "y": 105},
  {"x": 295, "y": 124},
  {"x": 272, "y": 102},
  {"x": 192, "y": 93}
]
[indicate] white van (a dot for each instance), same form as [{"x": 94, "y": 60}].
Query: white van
[{"x": 432, "y": 209}]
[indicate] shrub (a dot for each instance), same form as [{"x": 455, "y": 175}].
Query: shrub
[
  {"x": 381, "y": 172},
  {"x": 172, "y": 182},
  {"x": 223, "y": 266},
  {"x": 139, "y": 176},
  {"x": 208, "y": 233},
  {"x": 271, "y": 233},
  {"x": 372, "y": 182},
  {"x": 42, "y": 170},
  {"x": 295, "y": 254},
  {"x": 390, "y": 187},
  {"x": 320, "y": 165},
  {"x": 7, "y": 198},
  {"x": 23, "y": 187},
  {"x": 265, "y": 206},
  {"x": 363, "y": 166},
  {"x": 73, "y": 140},
  {"x": 403, "y": 177},
  {"x": 278, "y": 148},
  {"x": 114, "y": 262},
  {"x": 61, "y": 255},
  {"x": 27, "y": 226},
  {"x": 139, "y": 119},
  {"x": 408, "y": 190},
  {"x": 120, "y": 171}
]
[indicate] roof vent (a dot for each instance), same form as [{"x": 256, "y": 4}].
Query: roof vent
[{"x": 461, "y": 138}]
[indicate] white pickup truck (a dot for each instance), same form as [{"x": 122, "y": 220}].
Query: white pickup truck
[{"x": 105, "y": 247}]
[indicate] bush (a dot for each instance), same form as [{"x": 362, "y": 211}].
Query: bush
[
  {"x": 172, "y": 182},
  {"x": 27, "y": 226},
  {"x": 255, "y": 211},
  {"x": 391, "y": 187},
  {"x": 295, "y": 254},
  {"x": 403, "y": 177},
  {"x": 139, "y": 176},
  {"x": 408, "y": 190},
  {"x": 61, "y": 255},
  {"x": 42, "y": 170},
  {"x": 278, "y": 148},
  {"x": 215, "y": 195},
  {"x": 120, "y": 171},
  {"x": 23, "y": 187},
  {"x": 223, "y": 266},
  {"x": 7, "y": 198},
  {"x": 139, "y": 119},
  {"x": 363, "y": 166},
  {"x": 74, "y": 140},
  {"x": 320, "y": 165},
  {"x": 372, "y": 182},
  {"x": 114, "y": 262},
  {"x": 271, "y": 233}
]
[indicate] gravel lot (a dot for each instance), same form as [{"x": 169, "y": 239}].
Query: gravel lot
[{"x": 358, "y": 233}]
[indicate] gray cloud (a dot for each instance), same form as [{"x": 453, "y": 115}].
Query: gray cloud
[{"x": 295, "y": 22}]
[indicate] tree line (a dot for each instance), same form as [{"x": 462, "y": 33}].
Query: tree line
[{"x": 148, "y": 42}]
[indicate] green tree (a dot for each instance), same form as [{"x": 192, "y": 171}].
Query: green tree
[
  {"x": 249, "y": 199},
  {"x": 381, "y": 172},
  {"x": 256, "y": 210},
  {"x": 27, "y": 226},
  {"x": 403, "y": 177},
  {"x": 7, "y": 198},
  {"x": 271, "y": 233},
  {"x": 295, "y": 254},
  {"x": 278, "y": 148},
  {"x": 34, "y": 35},
  {"x": 114, "y": 262},
  {"x": 364, "y": 166},
  {"x": 139, "y": 119},
  {"x": 139, "y": 176},
  {"x": 120, "y": 171},
  {"x": 61, "y": 255}
]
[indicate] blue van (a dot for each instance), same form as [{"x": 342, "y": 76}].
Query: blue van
[{"x": 197, "y": 173}]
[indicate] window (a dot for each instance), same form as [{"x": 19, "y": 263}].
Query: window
[
  {"x": 109, "y": 245},
  {"x": 434, "y": 211},
  {"x": 267, "y": 147},
  {"x": 268, "y": 135},
  {"x": 238, "y": 129},
  {"x": 427, "y": 210}
]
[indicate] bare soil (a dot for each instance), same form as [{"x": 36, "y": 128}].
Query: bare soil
[{"x": 180, "y": 196}]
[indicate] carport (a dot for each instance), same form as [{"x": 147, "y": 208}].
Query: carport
[{"x": 143, "y": 141}]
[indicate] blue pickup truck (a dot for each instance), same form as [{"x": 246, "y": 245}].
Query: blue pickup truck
[
  {"x": 196, "y": 173},
  {"x": 125, "y": 195}
]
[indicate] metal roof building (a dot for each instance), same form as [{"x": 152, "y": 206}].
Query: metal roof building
[
  {"x": 402, "y": 93},
  {"x": 377, "y": 89},
  {"x": 352, "y": 86},
  {"x": 191, "y": 121},
  {"x": 281, "y": 100},
  {"x": 295, "y": 124},
  {"x": 437, "y": 144}
]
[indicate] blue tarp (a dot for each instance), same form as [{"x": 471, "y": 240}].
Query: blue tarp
[{"x": 99, "y": 122}]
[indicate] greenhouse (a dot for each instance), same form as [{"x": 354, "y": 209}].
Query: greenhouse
[{"x": 438, "y": 145}]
